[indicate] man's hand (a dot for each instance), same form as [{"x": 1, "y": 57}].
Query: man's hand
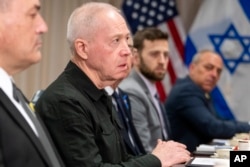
[{"x": 171, "y": 153}]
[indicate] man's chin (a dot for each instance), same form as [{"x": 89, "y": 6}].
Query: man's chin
[
  {"x": 37, "y": 56},
  {"x": 123, "y": 76},
  {"x": 160, "y": 77},
  {"x": 208, "y": 89}
]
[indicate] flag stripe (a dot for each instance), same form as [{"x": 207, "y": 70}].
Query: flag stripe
[
  {"x": 171, "y": 72},
  {"x": 160, "y": 87},
  {"x": 161, "y": 91},
  {"x": 177, "y": 40}
]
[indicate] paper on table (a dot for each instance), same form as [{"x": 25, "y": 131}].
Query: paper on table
[
  {"x": 199, "y": 161},
  {"x": 205, "y": 147},
  {"x": 203, "y": 161}
]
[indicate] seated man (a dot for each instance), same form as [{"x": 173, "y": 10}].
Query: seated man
[
  {"x": 150, "y": 65},
  {"x": 192, "y": 117},
  {"x": 75, "y": 107},
  {"x": 121, "y": 105},
  {"x": 24, "y": 140}
]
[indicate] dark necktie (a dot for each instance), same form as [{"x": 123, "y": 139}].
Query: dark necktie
[
  {"x": 163, "y": 120},
  {"x": 42, "y": 135},
  {"x": 122, "y": 111}
]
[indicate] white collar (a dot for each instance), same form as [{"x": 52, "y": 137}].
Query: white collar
[
  {"x": 6, "y": 83},
  {"x": 109, "y": 90}
]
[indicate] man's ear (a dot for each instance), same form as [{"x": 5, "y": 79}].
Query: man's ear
[
  {"x": 81, "y": 47},
  {"x": 191, "y": 69}
]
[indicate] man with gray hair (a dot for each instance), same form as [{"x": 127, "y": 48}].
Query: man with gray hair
[
  {"x": 76, "y": 108},
  {"x": 23, "y": 138},
  {"x": 189, "y": 106}
]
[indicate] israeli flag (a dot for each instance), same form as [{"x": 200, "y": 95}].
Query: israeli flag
[{"x": 223, "y": 26}]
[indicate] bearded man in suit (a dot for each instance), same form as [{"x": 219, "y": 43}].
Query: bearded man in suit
[{"x": 150, "y": 65}]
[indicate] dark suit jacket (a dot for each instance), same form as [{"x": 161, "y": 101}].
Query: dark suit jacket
[
  {"x": 83, "y": 125},
  {"x": 192, "y": 118},
  {"x": 19, "y": 146},
  {"x": 124, "y": 132}
]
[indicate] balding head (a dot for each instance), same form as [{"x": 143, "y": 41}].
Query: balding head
[
  {"x": 84, "y": 21},
  {"x": 205, "y": 69},
  {"x": 100, "y": 42}
]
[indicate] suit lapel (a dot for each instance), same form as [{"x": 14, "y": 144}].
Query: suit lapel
[
  {"x": 136, "y": 76},
  {"x": 18, "y": 118}
]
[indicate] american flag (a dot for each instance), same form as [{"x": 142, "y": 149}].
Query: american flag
[{"x": 164, "y": 15}]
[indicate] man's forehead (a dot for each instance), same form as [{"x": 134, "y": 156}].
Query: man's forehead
[{"x": 210, "y": 57}]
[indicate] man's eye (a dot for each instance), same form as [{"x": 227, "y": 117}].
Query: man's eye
[
  {"x": 208, "y": 67},
  {"x": 166, "y": 55},
  {"x": 117, "y": 40},
  {"x": 154, "y": 54},
  {"x": 129, "y": 38}
]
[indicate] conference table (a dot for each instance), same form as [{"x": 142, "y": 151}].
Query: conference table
[
  {"x": 205, "y": 154},
  {"x": 205, "y": 161}
]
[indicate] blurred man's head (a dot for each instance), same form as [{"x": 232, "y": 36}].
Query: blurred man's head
[
  {"x": 100, "y": 42},
  {"x": 205, "y": 69},
  {"x": 152, "y": 53},
  {"x": 21, "y": 27}
]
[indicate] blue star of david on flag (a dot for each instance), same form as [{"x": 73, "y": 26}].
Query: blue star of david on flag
[{"x": 240, "y": 44}]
